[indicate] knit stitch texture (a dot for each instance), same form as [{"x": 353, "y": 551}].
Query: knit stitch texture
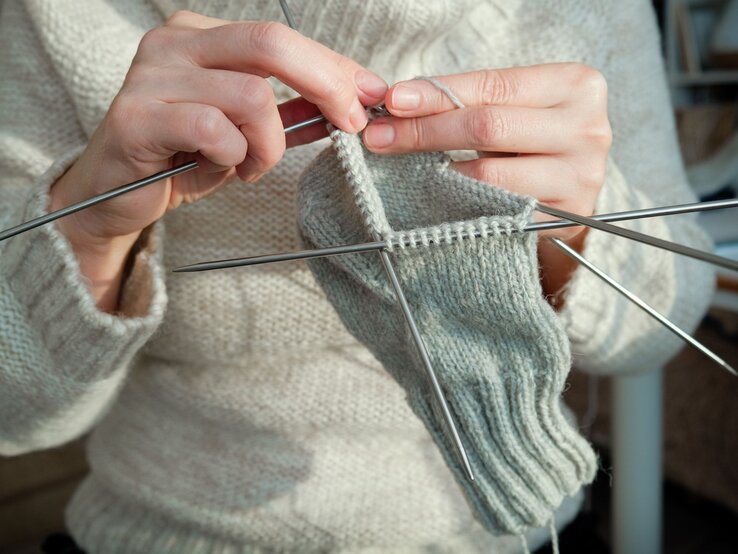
[
  {"x": 498, "y": 348},
  {"x": 231, "y": 411}
]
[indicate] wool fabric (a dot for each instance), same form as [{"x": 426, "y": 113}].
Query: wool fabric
[
  {"x": 497, "y": 346},
  {"x": 231, "y": 411}
]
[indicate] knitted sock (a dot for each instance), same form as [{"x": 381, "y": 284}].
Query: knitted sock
[{"x": 499, "y": 351}]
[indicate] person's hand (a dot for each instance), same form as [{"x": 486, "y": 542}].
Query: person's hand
[
  {"x": 197, "y": 89},
  {"x": 541, "y": 130}
]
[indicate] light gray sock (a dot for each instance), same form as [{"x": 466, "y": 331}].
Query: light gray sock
[{"x": 498, "y": 348}]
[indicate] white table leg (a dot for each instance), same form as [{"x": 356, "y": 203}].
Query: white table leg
[{"x": 637, "y": 508}]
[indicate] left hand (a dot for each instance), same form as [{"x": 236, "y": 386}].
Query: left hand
[{"x": 541, "y": 131}]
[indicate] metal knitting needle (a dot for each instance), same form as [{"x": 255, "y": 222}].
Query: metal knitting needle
[
  {"x": 640, "y": 237},
  {"x": 419, "y": 344},
  {"x": 645, "y": 307},
  {"x": 124, "y": 189},
  {"x": 423, "y": 352},
  {"x": 379, "y": 245},
  {"x": 288, "y": 14},
  {"x": 676, "y": 209},
  {"x": 74, "y": 208}
]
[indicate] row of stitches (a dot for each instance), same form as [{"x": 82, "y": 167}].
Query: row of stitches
[
  {"x": 346, "y": 152},
  {"x": 447, "y": 233}
]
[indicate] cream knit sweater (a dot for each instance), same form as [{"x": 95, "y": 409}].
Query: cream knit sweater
[{"x": 244, "y": 418}]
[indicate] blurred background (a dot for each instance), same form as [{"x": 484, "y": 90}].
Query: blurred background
[{"x": 686, "y": 418}]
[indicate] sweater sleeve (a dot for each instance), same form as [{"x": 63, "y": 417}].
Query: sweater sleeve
[
  {"x": 61, "y": 359},
  {"x": 608, "y": 333}
]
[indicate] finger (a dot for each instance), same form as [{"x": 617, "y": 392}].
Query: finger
[
  {"x": 543, "y": 177},
  {"x": 550, "y": 180},
  {"x": 323, "y": 77},
  {"x": 537, "y": 86},
  {"x": 503, "y": 129},
  {"x": 188, "y": 19},
  {"x": 192, "y": 186},
  {"x": 371, "y": 88},
  {"x": 183, "y": 127},
  {"x": 298, "y": 110},
  {"x": 247, "y": 100}
]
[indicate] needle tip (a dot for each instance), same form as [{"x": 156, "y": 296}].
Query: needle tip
[{"x": 730, "y": 368}]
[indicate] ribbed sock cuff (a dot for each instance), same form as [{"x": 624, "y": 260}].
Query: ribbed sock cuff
[{"x": 525, "y": 456}]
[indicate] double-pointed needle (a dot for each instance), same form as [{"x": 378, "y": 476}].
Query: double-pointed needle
[
  {"x": 573, "y": 220},
  {"x": 640, "y": 237},
  {"x": 124, "y": 189},
  {"x": 666, "y": 322},
  {"x": 410, "y": 320},
  {"x": 381, "y": 244},
  {"x": 423, "y": 353}
]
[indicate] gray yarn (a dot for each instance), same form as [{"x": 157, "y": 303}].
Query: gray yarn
[
  {"x": 500, "y": 353},
  {"x": 443, "y": 88}
]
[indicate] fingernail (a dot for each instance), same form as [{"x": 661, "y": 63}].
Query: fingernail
[
  {"x": 370, "y": 84},
  {"x": 379, "y": 135},
  {"x": 358, "y": 116},
  {"x": 405, "y": 98}
]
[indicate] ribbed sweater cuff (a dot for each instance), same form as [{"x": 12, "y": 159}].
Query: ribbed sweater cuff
[
  {"x": 608, "y": 333},
  {"x": 85, "y": 343}
]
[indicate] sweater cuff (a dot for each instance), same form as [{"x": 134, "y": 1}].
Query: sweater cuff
[
  {"x": 608, "y": 333},
  {"x": 85, "y": 343}
]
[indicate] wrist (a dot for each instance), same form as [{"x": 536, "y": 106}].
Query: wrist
[
  {"x": 102, "y": 259},
  {"x": 102, "y": 262},
  {"x": 556, "y": 268}
]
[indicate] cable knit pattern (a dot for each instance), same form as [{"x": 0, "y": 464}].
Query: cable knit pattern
[{"x": 250, "y": 420}]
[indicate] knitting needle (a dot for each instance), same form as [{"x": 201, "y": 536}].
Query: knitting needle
[
  {"x": 641, "y": 304},
  {"x": 640, "y": 237},
  {"x": 419, "y": 344},
  {"x": 642, "y": 213},
  {"x": 74, "y": 208},
  {"x": 124, "y": 189},
  {"x": 288, "y": 14},
  {"x": 379, "y": 245},
  {"x": 438, "y": 393}
]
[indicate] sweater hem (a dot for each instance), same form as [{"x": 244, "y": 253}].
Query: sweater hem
[{"x": 100, "y": 522}]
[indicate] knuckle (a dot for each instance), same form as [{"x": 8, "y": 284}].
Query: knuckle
[
  {"x": 598, "y": 134},
  {"x": 485, "y": 125},
  {"x": 497, "y": 88},
  {"x": 208, "y": 125},
  {"x": 602, "y": 135},
  {"x": 334, "y": 89},
  {"x": 590, "y": 82},
  {"x": 571, "y": 69},
  {"x": 256, "y": 92},
  {"x": 597, "y": 175},
  {"x": 136, "y": 74},
  {"x": 123, "y": 114},
  {"x": 590, "y": 178},
  {"x": 269, "y": 157},
  {"x": 269, "y": 37},
  {"x": 416, "y": 132},
  {"x": 154, "y": 40},
  {"x": 179, "y": 17},
  {"x": 148, "y": 41}
]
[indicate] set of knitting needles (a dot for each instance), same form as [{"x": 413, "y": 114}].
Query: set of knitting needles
[{"x": 599, "y": 222}]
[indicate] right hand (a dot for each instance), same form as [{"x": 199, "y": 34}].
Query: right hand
[{"x": 197, "y": 85}]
